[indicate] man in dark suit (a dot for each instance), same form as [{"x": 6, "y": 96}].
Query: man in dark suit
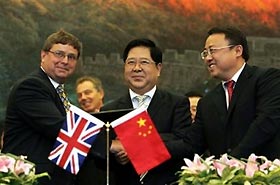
[
  {"x": 246, "y": 120},
  {"x": 170, "y": 114},
  {"x": 35, "y": 112},
  {"x": 90, "y": 94}
]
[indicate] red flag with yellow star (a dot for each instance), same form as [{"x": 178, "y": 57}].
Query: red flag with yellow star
[{"x": 138, "y": 135}]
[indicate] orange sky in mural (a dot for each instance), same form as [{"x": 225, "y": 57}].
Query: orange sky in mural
[
  {"x": 264, "y": 10},
  {"x": 214, "y": 5}
]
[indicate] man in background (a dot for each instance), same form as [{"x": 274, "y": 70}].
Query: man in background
[
  {"x": 90, "y": 93},
  {"x": 90, "y": 96},
  {"x": 193, "y": 97}
]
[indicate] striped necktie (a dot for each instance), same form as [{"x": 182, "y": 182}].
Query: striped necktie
[
  {"x": 141, "y": 100},
  {"x": 63, "y": 97}
]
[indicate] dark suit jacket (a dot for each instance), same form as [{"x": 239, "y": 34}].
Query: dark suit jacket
[
  {"x": 34, "y": 116},
  {"x": 171, "y": 116},
  {"x": 250, "y": 125}
]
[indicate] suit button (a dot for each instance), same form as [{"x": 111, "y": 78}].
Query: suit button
[{"x": 228, "y": 150}]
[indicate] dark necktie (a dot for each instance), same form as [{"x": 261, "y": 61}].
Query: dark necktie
[
  {"x": 63, "y": 97},
  {"x": 229, "y": 85}
]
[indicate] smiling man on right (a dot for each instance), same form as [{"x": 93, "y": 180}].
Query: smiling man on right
[{"x": 241, "y": 115}]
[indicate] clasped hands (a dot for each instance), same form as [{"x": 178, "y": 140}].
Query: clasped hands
[{"x": 118, "y": 150}]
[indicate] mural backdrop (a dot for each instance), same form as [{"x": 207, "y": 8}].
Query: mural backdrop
[{"x": 105, "y": 26}]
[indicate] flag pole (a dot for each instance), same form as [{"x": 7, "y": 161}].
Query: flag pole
[{"x": 107, "y": 152}]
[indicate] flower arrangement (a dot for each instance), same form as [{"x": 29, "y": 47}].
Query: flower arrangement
[
  {"x": 256, "y": 170},
  {"x": 16, "y": 170}
]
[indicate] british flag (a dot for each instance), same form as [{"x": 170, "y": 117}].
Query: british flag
[{"x": 75, "y": 139}]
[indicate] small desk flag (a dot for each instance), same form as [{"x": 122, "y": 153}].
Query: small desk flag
[
  {"x": 138, "y": 135},
  {"x": 75, "y": 139}
]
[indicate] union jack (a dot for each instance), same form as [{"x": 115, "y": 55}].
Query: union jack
[{"x": 75, "y": 139}]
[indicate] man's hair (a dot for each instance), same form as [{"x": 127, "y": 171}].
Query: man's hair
[
  {"x": 234, "y": 36},
  {"x": 156, "y": 53},
  {"x": 62, "y": 37},
  {"x": 96, "y": 82}
]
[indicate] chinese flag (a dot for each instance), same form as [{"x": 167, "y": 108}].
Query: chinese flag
[{"x": 141, "y": 140}]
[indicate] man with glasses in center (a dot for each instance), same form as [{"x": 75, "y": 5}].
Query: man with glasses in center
[
  {"x": 241, "y": 115},
  {"x": 169, "y": 112}
]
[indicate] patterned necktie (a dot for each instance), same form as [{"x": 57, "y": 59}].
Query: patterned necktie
[
  {"x": 229, "y": 85},
  {"x": 63, "y": 97},
  {"x": 141, "y": 100}
]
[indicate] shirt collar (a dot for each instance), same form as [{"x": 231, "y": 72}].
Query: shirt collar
[
  {"x": 54, "y": 83},
  {"x": 149, "y": 93},
  {"x": 236, "y": 75}
]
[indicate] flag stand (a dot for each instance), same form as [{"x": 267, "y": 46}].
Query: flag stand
[{"x": 107, "y": 152}]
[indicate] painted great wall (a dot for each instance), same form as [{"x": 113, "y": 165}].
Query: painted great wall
[{"x": 181, "y": 71}]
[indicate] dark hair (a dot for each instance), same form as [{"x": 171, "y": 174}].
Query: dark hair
[
  {"x": 156, "y": 53},
  {"x": 234, "y": 36},
  {"x": 193, "y": 94},
  {"x": 62, "y": 37}
]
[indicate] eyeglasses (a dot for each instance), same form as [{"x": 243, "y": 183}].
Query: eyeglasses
[
  {"x": 141, "y": 62},
  {"x": 61, "y": 55},
  {"x": 210, "y": 51}
]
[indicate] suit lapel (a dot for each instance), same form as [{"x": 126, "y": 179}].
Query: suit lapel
[
  {"x": 219, "y": 100},
  {"x": 156, "y": 102},
  {"x": 240, "y": 86},
  {"x": 125, "y": 102},
  {"x": 47, "y": 82}
]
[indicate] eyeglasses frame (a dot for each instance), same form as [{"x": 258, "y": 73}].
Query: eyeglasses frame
[
  {"x": 131, "y": 64},
  {"x": 210, "y": 51},
  {"x": 61, "y": 55}
]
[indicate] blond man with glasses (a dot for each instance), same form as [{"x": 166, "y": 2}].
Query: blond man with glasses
[{"x": 35, "y": 111}]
